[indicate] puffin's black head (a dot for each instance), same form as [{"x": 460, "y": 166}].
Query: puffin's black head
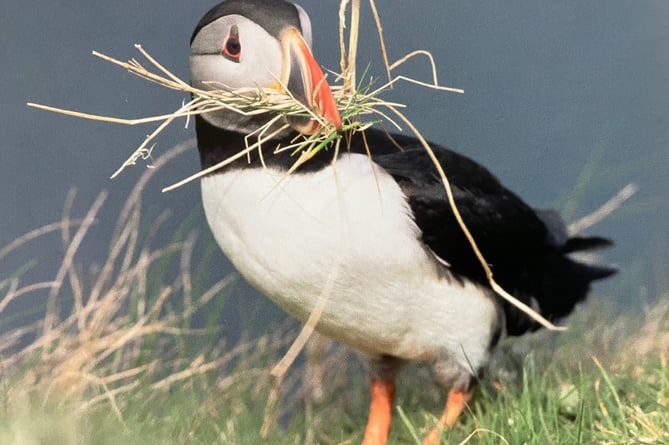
[{"x": 259, "y": 43}]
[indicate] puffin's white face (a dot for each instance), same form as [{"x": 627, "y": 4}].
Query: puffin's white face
[{"x": 235, "y": 52}]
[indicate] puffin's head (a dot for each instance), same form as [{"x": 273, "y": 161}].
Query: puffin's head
[{"x": 260, "y": 43}]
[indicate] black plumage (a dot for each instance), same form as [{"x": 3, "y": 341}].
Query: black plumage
[{"x": 528, "y": 256}]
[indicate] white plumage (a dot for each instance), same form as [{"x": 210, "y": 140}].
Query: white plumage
[{"x": 290, "y": 235}]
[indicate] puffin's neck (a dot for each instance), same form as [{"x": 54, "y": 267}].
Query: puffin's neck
[{"x": 217, "y": 144}]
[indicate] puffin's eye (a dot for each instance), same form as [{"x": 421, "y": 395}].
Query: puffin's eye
[{"x": 232, "y": 50}]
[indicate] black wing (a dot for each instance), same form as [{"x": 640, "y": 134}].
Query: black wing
[{"x": 526, "y": 248}]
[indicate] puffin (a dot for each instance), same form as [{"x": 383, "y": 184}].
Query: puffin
[{"x": 365, "y": 234}]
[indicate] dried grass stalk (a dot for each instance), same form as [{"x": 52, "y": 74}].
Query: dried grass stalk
[{"x": 95, "y": 352}]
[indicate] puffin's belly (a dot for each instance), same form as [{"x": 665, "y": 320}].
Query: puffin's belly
[{"x": 346, "y": 234}]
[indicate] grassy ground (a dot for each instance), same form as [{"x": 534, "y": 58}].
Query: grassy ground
[
  {"x": 561, "y": 396},
  {"x": 117, "y": 357}
]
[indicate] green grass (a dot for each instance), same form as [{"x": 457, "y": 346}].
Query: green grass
[{"x": 601, "y": 384}]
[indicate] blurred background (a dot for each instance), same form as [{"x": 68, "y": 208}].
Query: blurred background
[{"x": 567, "y": 102}]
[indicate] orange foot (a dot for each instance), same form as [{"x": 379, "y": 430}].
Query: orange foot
[
  {"x": 456, "y": 402},
  {"x": 380, "y": 412}
]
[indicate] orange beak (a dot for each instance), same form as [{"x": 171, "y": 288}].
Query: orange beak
[{"x": 304, "y": 79}]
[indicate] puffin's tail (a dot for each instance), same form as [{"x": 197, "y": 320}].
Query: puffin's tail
[
  {"x": 566, "y": 280},
  {"x": 564, "y": 276}
]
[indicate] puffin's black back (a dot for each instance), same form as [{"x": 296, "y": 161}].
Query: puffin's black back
[
  {"x": 527, "y": 249},
  {"x": 273, "y": 14}
]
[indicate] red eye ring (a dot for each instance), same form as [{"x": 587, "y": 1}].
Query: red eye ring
[{"x": 232, "y": 50}]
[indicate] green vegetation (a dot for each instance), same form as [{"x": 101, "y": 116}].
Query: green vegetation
[{"x": 557, "y": 394}]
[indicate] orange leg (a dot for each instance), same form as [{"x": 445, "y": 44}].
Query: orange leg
[
  {"x": 456, "y": 402},
  {"x": 380, "y": 412}
]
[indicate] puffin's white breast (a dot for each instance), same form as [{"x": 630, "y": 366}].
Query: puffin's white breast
[{"x": 347, "y": 226}]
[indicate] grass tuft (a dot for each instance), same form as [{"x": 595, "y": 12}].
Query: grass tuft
[{"x": 106, "y": 332}]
